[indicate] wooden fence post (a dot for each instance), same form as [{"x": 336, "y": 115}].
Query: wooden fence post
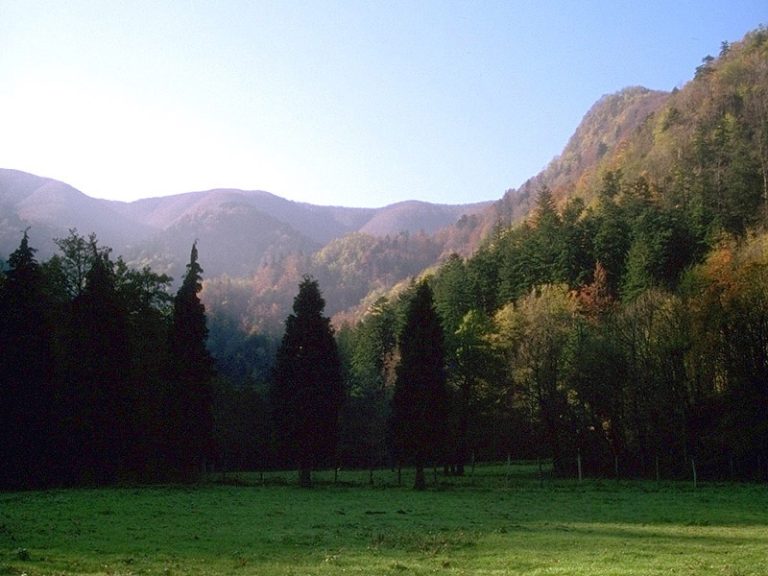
[
  {"x": 578, "y": 462},
  {"x": 695, "y": 479}
]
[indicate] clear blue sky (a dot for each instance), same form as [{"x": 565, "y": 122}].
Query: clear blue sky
[{"x": 331, "y": 102}]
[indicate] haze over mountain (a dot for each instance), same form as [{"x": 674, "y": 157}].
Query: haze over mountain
[{"x": 238, "y": 230}]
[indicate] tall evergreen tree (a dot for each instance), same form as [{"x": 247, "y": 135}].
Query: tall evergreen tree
[
  {"x": 98, "y": 412},
  {"x": 307, "y": 388},
  {"x": 26, "y": 380},
  {"x": 189, "y": 401},
  {"x": 420, "y": 402}
]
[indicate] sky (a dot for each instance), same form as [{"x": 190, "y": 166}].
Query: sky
[{"x": 348, "y": 102}]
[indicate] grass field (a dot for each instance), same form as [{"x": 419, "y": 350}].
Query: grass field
[{"x": 487, "y": 523}]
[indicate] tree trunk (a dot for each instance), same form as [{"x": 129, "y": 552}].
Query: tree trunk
[
  {"x": 420, "y": 483},
  {"x": 305, "y": 477},
  {"x": 464, "y": 417}
]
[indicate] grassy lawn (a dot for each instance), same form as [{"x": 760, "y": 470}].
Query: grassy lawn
[{"x": 489, "y": 523}]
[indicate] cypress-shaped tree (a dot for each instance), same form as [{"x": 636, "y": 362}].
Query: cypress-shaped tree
[
  {"x": 307, "y": 388},
  {"x": 420, "y": 401},
  {"x": 26, "y": 379},
  {"x": 189, "y": 400},
  {"x": 96, "y": 399}
]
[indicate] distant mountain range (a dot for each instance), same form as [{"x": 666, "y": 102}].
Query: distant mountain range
[{"x": 238, "y": 230}]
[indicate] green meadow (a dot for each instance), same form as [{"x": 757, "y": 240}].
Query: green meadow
[{"x": 499, "y": 520}]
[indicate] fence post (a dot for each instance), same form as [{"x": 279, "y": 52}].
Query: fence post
[
  {"x": 578, "y": 462},
  {"x": 695, "y": 479}
]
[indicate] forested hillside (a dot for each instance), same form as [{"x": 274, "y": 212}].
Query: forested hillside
[{"x": 624, "y": 322}]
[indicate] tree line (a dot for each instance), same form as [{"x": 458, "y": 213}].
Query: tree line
[
  {"x": 624, "y": 336},
  {"x": 646, "y": 366},
  {"x": 107, "y": 378},
  {"x": 106, "y": 375},
  {"x": 622, "y": 328}
]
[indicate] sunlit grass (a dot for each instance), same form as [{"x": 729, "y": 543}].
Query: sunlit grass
[{"x": 488, "y": 523}]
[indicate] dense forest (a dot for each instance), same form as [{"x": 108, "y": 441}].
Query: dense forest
[
  {"x": 620, "y": 328},
  {"x": 106, "y": 375}
]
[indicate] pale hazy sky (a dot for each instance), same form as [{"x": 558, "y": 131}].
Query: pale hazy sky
[{"x": 350, "y": 102}]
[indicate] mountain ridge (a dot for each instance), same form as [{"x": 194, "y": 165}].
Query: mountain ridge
[{"x": 51, "y": 208}]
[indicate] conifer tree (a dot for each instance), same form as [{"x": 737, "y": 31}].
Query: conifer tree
[
  {"x": 26, "y": 379},
  {"x": 307, "y": 388},
  {"x": 420, "y": 402},
  {"x": 189, "y": 405},
  {"x": 98, "y": 412}
]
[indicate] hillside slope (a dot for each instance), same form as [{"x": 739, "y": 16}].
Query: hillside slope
[{"x": 240, "y": 229}]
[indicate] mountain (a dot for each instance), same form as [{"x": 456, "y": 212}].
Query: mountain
[
  {"x": 355, "y": 269},
  {"x": 240, "y": 230},
  {"x": 603, "y": 131},
  {"x": 50, "y": 208},
  {"x": 699, "y": 154}
]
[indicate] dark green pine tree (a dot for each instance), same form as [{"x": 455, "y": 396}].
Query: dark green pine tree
[
  {"x": 189, "y": 401},
  {"x": 307, "y": 388},
  {"x": 98, "y": 414},
  {"x": 420, "y": 401},
  {"x": 26, "y": 379}
]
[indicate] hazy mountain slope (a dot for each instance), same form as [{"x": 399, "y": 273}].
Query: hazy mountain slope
[
  {"x": 158, "y": 231},
  {"x": 320, "y": 223},
  {"x": 605, "y": 128},
  {"x": 50, "y": 208},
  {"x": 417, "y": 216},
  {"x": 233, "y": 238}
]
